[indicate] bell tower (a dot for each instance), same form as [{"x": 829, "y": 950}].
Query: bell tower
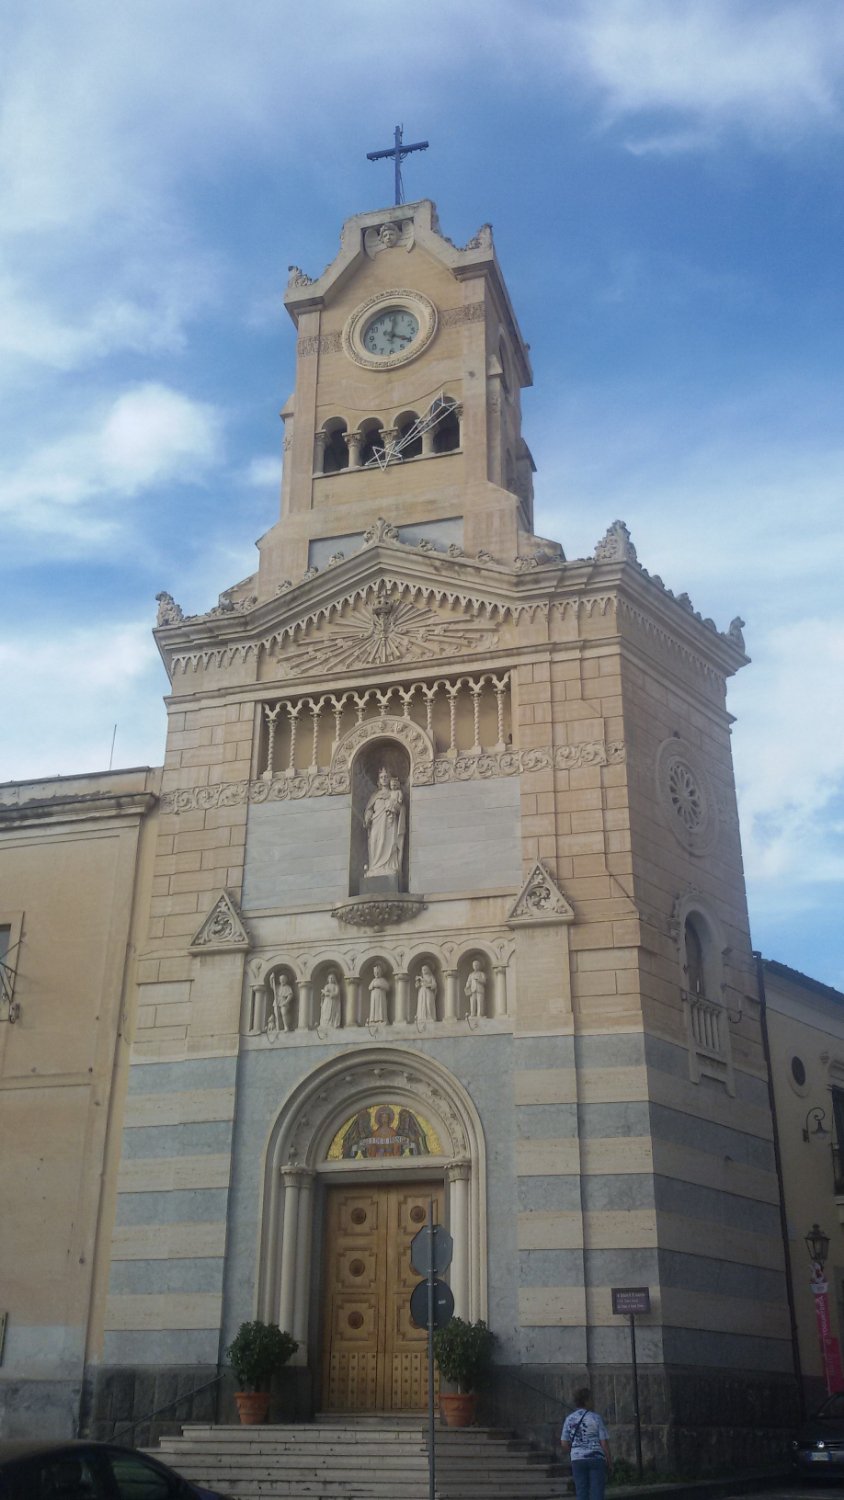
[{"x": 409, "y": 368}]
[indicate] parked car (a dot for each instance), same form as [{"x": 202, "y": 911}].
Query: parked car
[
  {"x": 818, "y": 1446},
  {"x": 90, "y": 1471}
]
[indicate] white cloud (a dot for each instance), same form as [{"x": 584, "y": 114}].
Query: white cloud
[
  {"x": 791, "y": 780},
  {"x": 265, "y": 472},
  {"x": 773, "y": 68},
  {"x": 60, "y": 722},
  {"x": 148, "y": 435}
]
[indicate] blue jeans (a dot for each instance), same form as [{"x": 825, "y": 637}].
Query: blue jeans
[{"x": 590, "y": 1478}]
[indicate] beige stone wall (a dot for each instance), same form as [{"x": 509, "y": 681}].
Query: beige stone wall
[{"x": 74, "y": 857}]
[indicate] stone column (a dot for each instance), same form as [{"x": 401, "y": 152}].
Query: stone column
[
  {"x": 303, "y": 1260},
  {"x": 303, "y": 1018},
  {"x": 450, "y": 1009},
  {"x": 258, "y": 1010},
  {"x": 458, "y": 1175},
  {"x": 401, "y": 983},
  {"x": 319, "y": 451},
  {"x": 427, "y": 442},
  {"x": 353, "y": 441},
  {"x": 291, "y": 1177},
  {"x": 499, "y": 990},
  {"x": 352, "y": 1000}
]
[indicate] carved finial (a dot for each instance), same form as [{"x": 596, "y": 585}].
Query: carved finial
[
  {"x": 685, "y": 603},
  {"x": 309, "y": 574},
  {"x": 482, "y": 240},
  {"x": 523, "y": 564},
  {"x": 286, "y": 583},
  {"x": 484, "y": 556},
  {"x": 455, "y": 551},
  {"x": 298, "y": 277},
  {"x": 615, "y": 545},
  {"x": 334, "y": 559},
  {"x": 380, "y": 531},
  {"x": 736, "y": 631},
  {"x": 169, "y": 612}
]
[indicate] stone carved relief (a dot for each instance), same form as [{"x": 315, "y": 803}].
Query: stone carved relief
[
  {"x": 411, "y": 735},
  {"x": 387, "y": 630},
  {"x": 385, "y": 821},
  {"x": 482, "y": 240},
  {"x": 283, "y": 999},
  {"x": 426, "y": 995},
  {"x": 427, "y": 770},
  {"x": 298, "y": 277},
  {"x": 222, "y": 928},
  {"x": 540, "y": 900},
  {"x": 378, "y": 912},
  {"x": 388, "y": 236},
  {"x": 379, "y": 989},
  {"x": 330, "y": 1017},
  {"x": 452, "y": 317}
]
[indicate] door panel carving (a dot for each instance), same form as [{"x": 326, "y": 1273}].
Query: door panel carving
[{"x": 373, "y": 1359}]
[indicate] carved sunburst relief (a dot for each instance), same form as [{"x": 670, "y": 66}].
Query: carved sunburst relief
[{"x": 389, "y": 630}]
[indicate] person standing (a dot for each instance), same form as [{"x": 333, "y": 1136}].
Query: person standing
[{"x": 585, "y": 1437}]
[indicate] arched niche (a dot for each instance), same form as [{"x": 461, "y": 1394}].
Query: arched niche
[
  {"x": 298, "y": 1170},
  {"x": 379, "y": 845}
]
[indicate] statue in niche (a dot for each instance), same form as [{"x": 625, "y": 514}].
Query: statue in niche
[
  {"x": 475, "y": 989},
  {"x": 426, "y": 995},
  {"x": 329, "y": 1011},
  {"x": 378, "y": 990},
  {"x": 283, "y": 997},
  {"x": 385, "y": 821}
]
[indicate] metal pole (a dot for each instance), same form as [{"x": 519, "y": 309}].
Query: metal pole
[
  {"x": 397, "y": 138},
  {"x": 636, "y": 1396},
  {"x": 432, "y": 1458}
]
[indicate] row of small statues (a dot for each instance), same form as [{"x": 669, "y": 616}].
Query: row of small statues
[{"x": 330, "y": 1011}]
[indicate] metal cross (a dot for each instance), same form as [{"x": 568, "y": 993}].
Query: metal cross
[{"x": 398, "y": 152}]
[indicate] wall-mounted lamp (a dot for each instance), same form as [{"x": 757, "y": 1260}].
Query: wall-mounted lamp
[
  {"x": 817, "y": 1244},
  {"x": 817, "y": 1116}
]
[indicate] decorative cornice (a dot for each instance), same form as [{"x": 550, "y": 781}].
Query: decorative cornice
[
  {"x": 442, "y": 768},
  {"x": 68, "y": 808},
  {"x": 223, "y": 930}
]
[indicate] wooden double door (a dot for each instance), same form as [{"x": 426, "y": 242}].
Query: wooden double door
[{"x": 373, "y": 1358}]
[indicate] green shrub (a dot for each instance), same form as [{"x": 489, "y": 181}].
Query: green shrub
[
  {"x": 463, "y": 1352},
  {"x": 257, "y": 1351}
]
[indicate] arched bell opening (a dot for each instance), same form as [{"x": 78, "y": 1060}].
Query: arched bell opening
[{"x": 374, "y": 1135}]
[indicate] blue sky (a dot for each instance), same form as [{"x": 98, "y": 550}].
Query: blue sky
[{"x": 664, "y": 180}]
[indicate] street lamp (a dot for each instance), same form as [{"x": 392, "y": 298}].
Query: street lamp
[{"x": 817, "y": 1244}]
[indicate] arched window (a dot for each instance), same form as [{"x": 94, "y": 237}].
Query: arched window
[
  {"x": 446, "y": 433},
  {"x": 404, "y": 425},
  {"x": 335, "y": 454},
  {"x": 371, "y": 437},
  {"x": 695, "y": 972}
]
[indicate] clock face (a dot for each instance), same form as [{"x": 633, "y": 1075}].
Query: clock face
[{"x": 390, "y": 332}]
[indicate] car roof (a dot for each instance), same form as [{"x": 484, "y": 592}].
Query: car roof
[{"x": 18, "y": 1448}]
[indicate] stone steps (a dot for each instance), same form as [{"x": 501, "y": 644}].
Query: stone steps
[{"x": 366, "y": 1458}]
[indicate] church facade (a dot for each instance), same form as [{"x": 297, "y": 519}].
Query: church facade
[{"x": 437, "y": 898}]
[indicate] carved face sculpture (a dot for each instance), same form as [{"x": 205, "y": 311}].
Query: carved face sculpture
[
  {"x": 383, "y": 777},
  {"x": 389, "y": 235},
  {"x": 378, "y": 971}
]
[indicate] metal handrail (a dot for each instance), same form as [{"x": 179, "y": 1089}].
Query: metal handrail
[{"x": 159, "y": 1411}]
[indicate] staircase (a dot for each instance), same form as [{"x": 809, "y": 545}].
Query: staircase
[{"x": 361, "y": 1458}]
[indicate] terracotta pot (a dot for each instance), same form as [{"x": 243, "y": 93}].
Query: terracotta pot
[
  {"x": 458, "y": 1408},
  {"x": 252, "y": 1406}
]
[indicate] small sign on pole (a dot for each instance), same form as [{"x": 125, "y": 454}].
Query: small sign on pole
[
  {"x": 431, "y": 1306},
  {"x": 628, "y": 1301}
]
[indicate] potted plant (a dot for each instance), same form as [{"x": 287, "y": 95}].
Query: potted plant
[
  {"x": 463, "y": 1352},
  {"x": 255, "y": 1353}
]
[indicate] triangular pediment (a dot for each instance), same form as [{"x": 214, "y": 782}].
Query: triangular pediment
[
  {"x": 223, "y": 930},
  {"x": 539, "y": 901}
]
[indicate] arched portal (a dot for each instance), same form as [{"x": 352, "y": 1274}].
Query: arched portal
[{"x": 375, "y": 1135}]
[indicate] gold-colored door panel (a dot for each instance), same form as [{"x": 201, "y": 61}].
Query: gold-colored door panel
[{"x": 373, "y": 1359}]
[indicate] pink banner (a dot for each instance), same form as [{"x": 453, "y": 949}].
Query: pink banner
[{"x": 830, "y": 1347}]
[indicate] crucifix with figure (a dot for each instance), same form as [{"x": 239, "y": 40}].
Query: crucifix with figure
[{"x": 398, "y": 151}]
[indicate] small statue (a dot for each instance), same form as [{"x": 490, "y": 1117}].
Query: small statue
[
  {"x": 385, "y": 820},
  {"x": 169, "y": 612},
  {"x": 426, "y": 995},
  {"x": 378, "y": 990},
  {"x": 329, "y": 1011},
  {"x": 388, "y": 236},
  {"x": 475, "y": 990},
  {"x": 736, "y": 631},
  {"x": 283, "y": 998}
]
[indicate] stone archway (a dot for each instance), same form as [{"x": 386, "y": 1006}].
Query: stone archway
[{"x": 298, "y": 1172}]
